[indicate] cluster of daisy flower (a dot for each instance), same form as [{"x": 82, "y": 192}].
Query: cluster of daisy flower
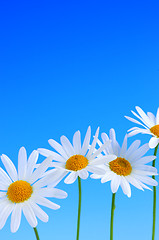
[{"x": 24, "y": 190}]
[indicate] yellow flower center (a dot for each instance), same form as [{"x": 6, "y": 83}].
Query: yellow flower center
[
  {"x": 19, "y": 191},
  {"x": 155, "y": 130},
  {"x": 76, "y": 162},
  {"x": 120, "y": 166}
]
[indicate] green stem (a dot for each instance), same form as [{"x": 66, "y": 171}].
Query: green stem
[
  {"x": 154, "y": 198},
  {"x": 79, "y": 208},
  {"x": 112, "y": 216},
  {"x": 36, "y": 233}
]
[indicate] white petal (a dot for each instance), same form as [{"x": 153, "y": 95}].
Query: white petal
[
  {"x": 107, "y": 177},
  {"x": 134, "y": 182},
  {"x": 124, "y": 147},
  {"x": 115, "y": 147},
  {"x": 67, "y": 146},
  {"x": 112, "y": 134},
  {"x": 52, "y": 179},
  {"x": 83, "y": 174},
  {"x": 157, "y": 117},
  {"x": 31, "y": 164},
  {"x": 29, "y": 214},
  {"x": 39, "y": 212},
  {"x": 52, "y": 171},
  {"x": 16, "y": 218},
  {"x": 6, "y": 209},
  {"x": 115, "y": 183},
  {"x": 9, "y": 167},
  {"x": 95, "y": 176},
  {"x": 135, "y": 121},
  {"x": 91, "y": 150},
  {"x": 102, "y": 160},
  {"x": 152, "y": 117},
  {"x": 133, "y": 133},
  {"x": 115, "y": 144},
  {"x": 147, "y": 180},
  {"x": 4, "y": 202},
  {"x": 56, "y": 181},
  {"x": 145, "y": 186},
  {"x": 139, "y": 152},
  {"x": 58, "y": 165},
  {"x": 134, "y": 128},
  {"x": 144, "y": 173},
  {"x": 96, "y": 170},
  {"x": 4, "y": 214},
  {"x": 22, "y": 163},
  {"x": 99, "y": 150},
  {"x": 86, "y": 142},
  {"x": 144, "y": 131},
  {"x": 48, "y": 153},
  {"x": 58, "y": 148},
  {"x": 133, "y": 147},
  {"x": 125, "y": 186},
  {"x": 144, "y": 117},
  {"x": 137, "y": 130},
  {"x": 146, "y": 159},
  {"x": 71, "y": 178},
  {"x": 46, "y": 203},
  {"x": 77, "y": 142},
  {"x": 153, "y": 142},
  {"x": 99, "y": 143},
  {"x": 52, "y": 192},
  {"x": 40, "y": 170},
  {"x": 146, "y": 168},
  {"x": 104, "y": 137},
  {"x": 5, "y": 178},
  {"x": 109, "y": 149}
]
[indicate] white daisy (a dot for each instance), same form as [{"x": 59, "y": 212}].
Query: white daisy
[
  {"x": 150, "y": 124},
  {"x": 128, "y": 167},
  {"x": 22, "y": 191},
  {"x": 76, "y": 159}
]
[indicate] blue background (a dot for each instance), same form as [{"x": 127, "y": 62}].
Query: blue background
[{"x": 65, "y": 65}]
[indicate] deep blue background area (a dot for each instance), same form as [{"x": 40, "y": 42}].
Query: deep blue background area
[{"x": 65, "y": 65}]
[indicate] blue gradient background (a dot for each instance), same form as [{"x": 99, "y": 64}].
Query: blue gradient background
[{"x": 65, "y": 65}]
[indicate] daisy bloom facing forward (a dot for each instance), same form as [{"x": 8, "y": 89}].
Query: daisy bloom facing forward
[
  {"x": 22, "y": 191},
  {"x": 128, "y": 168},
  {"x": 76, "y": 160},
  {"x": 150, "y": 124}
]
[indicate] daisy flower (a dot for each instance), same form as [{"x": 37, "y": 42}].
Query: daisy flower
[
  {"x": 150, "y": 125},
  {"x": 76, "y": 160},
  {"x": 128, "y": 167},
  {"x": 25, "y": 190}
]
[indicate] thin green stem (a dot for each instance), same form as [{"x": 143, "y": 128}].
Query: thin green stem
[
  {"x": 36, "y": 233},
  {"x": 154, "y": 198},
  {"x": 79, "y": 208},
  {"x": 112, "y": 216}
]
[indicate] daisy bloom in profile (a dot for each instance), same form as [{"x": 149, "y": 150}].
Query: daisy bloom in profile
[
  {"x": 128, "y": 168},
  {"x": 150, "y": 125},
  {"x": 150, "y": 122},
  {"x": 25, "y": 190},
  {"x": 76, "y": 160}
]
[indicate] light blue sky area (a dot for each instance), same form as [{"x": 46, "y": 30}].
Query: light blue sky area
[{"x": 65, "y": 65}]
